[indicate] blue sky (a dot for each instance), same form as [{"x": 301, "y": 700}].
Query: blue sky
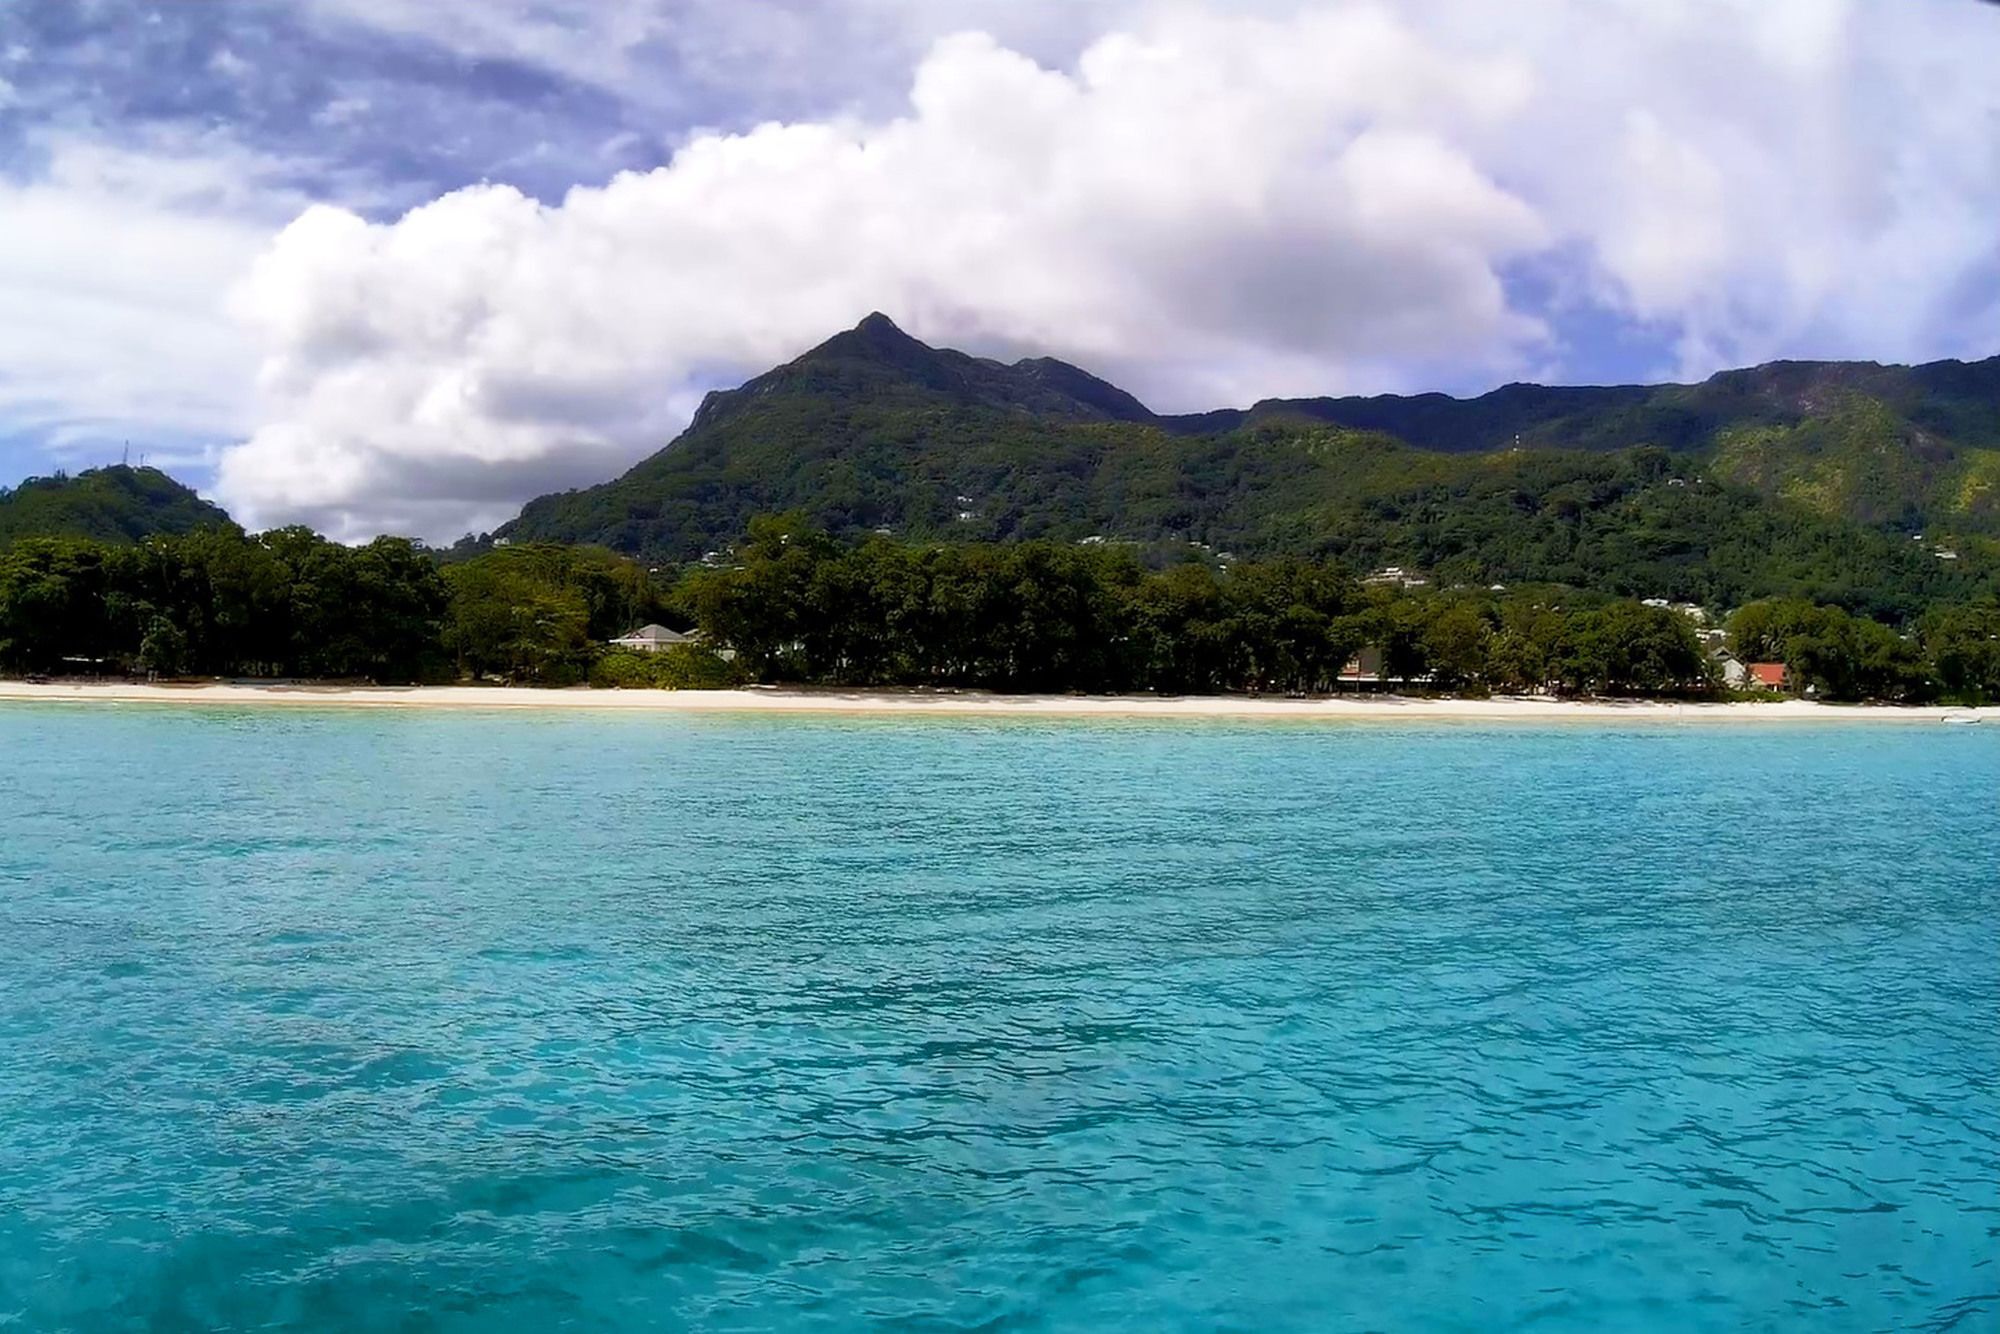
[{"x": 397, "y": 265}]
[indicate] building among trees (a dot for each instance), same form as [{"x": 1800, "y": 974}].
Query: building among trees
[
  {"x": 652, "y": 639},
  {"x": 1769, "y": 675}
]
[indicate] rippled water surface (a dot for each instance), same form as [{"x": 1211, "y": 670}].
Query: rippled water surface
[{"x": 467, "y": 1021}]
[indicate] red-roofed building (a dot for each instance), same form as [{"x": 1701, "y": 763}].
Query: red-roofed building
[{"x": 1768, "y": 675}]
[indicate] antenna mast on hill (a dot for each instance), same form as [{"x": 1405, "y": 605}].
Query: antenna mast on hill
[{"x": 125, "y": 459}]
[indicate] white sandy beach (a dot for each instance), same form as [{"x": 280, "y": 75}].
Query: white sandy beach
[{"x": 917, "y": 702}]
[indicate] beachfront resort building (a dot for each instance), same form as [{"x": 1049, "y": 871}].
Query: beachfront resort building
[
  {"x": 652, "y": 639},
  {"x": 1769, "y": 676},
  {"x": 1364, "y": 668}
]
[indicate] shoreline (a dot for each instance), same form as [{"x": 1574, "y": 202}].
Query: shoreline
[{"x": 891, "y": 703}]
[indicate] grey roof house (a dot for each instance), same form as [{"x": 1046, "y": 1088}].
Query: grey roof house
[{"x": 652, "y": 639}]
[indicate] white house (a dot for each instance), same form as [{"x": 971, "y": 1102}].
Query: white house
[
  {"x": 1734, "y": 674},
  {"x": 652, "y": 639}
]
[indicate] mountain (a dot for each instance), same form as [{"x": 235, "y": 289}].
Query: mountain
[
  {"x": 878, "y": 363},
  {"x": 848, "y": 430},
  {"x": 112, "y": 504},
  {"x": 1795, "y": 477}
]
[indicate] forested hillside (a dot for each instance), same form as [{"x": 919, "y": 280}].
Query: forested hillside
[
  {"x": 114, "y": 504},
  {"x": 1793, "y": 478}
]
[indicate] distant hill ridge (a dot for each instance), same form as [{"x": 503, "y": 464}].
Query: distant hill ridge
[
  {"x": 118, "y": 503},
  {"x": 1954, "y": 398},
  {"x": 875, "y": 429}
]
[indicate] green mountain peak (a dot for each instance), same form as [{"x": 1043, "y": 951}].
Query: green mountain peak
[{"x": 117, "y": 503}]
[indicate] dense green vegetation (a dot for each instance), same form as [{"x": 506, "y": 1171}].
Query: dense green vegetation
[
  {"x": 114, "y": 504},
  {"x": 1041, "y": 616},
  {"x": 537, "y": 613},
  {"x": 289, "y": 603},
  {"x": 1037, "y": 616},
  {"x": 1798, "y": 479},
  {"x": 682, "y": 667},
  {"x": 1955, "y": 653},
  {"x": 218, "y": 603},
  {"x": 794, "y": 604},
  {"x": 1861, "y": 461}
]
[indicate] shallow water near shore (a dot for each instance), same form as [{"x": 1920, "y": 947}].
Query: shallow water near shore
[{"x": 463, "y": 1021}]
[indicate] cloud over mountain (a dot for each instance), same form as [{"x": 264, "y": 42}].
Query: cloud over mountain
[
  {"x": 1208, "y": 207},
  {"x": 456, "y": 301}
]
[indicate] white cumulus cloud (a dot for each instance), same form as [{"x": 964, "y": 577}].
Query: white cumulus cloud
[
  {"x": 1207, "y": 205},
  {"x": 1211, "y": 208},
  {"x": 112, "y": 272}
]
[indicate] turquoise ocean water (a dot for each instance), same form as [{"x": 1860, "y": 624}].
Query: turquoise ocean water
[{"x": 457, "y": 1021}]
